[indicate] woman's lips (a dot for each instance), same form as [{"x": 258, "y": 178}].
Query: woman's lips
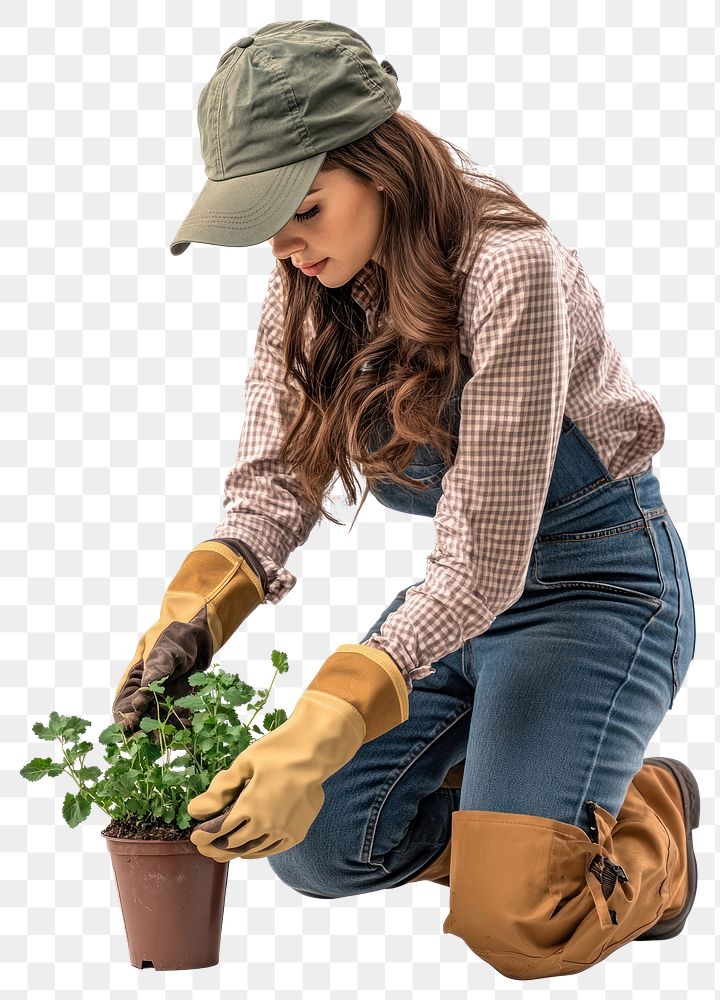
[{"x": 315, "y": 268}]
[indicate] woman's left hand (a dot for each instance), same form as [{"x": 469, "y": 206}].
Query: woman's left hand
[{"x": 274, "y": 787}]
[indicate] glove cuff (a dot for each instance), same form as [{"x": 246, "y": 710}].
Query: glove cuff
[
  {"x": 369, "y": 680},
  {"x": 225, "y": 582}
]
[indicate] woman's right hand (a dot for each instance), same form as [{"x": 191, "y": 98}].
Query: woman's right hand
[
  {"x": 170, "y": 654},
  {"x": 217, "y": 586}
]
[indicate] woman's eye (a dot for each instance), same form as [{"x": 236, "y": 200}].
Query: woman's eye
[{"x": 307, "y": 215}]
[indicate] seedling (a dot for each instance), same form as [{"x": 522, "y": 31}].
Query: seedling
[{"x": 153, "y": 773}]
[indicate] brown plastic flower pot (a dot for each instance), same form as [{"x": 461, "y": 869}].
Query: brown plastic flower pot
[{"x": 172, "y": 899}]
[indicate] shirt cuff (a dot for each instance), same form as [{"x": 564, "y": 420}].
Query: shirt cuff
[
  {"x": 422, "y": 631},
  {"x": 410, "y": 671}
]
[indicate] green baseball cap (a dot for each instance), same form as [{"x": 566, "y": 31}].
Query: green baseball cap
[{"x": 277, "y": 102}]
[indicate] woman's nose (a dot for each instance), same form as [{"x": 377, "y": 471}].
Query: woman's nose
[
  {"x": 283, "y": 242},
  {"x": 282, "y": 249}
]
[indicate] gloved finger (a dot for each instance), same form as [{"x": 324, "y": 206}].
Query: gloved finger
[
  {"x": 181, "y": 648},
  {"x": 249, "y": 837},
  {"x": 222, "y": 792},
  {"x": 139, "y": 702},
  {"x": 227, "y": 847},
  {"x": 163, "y": 659},
  {"x": 260, "y": 847},
  {"x": 216, "y": 828},
  {"x": 130, "y": 680},
  {"x": 211, "y": 852}
]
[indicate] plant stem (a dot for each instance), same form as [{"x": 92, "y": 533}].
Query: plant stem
[
  {"x": 69, "y": 769},
  {"x": 264, "y": 701}
]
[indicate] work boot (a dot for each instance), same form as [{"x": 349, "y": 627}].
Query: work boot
[
  {"x": 537, "y": 897},
  {"x": 682, "y": 781}
]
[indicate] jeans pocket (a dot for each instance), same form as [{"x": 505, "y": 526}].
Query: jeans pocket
[{"x": 619, "y": 560}]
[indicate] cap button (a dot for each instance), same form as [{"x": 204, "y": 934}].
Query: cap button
[{"x": 244, "y": 42}]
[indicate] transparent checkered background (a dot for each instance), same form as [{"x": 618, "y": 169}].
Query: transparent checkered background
[{"x": 122, "y": 399}]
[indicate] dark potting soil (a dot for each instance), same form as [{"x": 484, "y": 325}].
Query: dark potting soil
[{"x": 129, "y": 827}]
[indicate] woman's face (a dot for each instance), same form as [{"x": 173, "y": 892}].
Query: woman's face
[{"x": 344, "y": 222}]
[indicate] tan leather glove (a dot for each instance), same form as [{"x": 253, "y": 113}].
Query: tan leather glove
[
  {"x": 274, "y": 787},
  {"x": 217, "y": 586}
]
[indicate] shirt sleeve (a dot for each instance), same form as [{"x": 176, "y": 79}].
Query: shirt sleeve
[
  {"x": 494, "y": 494},
  {"x": 264, "y": 505}
]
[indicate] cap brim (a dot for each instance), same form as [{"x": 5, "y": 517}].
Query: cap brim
[{"x": 244, "y": 211}]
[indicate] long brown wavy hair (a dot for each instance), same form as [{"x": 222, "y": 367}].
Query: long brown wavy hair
[{"x": 402, "y": 373}]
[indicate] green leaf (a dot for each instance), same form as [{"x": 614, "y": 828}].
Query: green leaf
[
  {"x": 112, "y": 734},
  {"x": 67, "y": 727},
  {"x": 89, "y": 773},
  {"x": 239, "y": 693},
  {"x": 201, "y": 679},
  {"x": 192, "y": 701},
  {"x": 280, "y": 661},
  {"x": 38, "y": 767},
  {"x": 174, "y": 778},
  {"x": 148, "y": 725},
  {"x": 157, "y": 686},
  {"x": 74, "y": 727},
  {"x": 273, "y": 720},
  {"x": 53, "y": 729},
  {"x": 76, "y": 808},
  {"x": 77, "y": 750}
]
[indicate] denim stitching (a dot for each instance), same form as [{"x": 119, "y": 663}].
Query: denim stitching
[
  {"x": 598, "y": 484},
  {"x": 598, "y": 749},
  {"x": 616, "y": 529},
  {"x": 658, "y": 564},
  {"x": 678, "y": 617},
  {"x": 380, "y": 802},
  {"x": 591, "y": 585}
]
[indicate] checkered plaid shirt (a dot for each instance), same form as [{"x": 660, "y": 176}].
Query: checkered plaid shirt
[{"x": 532, "y": 328}]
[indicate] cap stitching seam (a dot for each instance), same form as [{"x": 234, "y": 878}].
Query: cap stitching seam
[
  {"x": 223, "y": 81},
  {"x": 292, "y": 109},
  {"x": 362, "y": 71}
]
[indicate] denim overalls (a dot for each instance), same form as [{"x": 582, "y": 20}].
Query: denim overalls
[{"x": 554, "y": 704}]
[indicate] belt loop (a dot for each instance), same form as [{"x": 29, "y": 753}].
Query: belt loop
[{"x": 643, "y": 513}]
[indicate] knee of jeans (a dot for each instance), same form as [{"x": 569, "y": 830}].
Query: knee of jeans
[{"x": 315, "y": 870}]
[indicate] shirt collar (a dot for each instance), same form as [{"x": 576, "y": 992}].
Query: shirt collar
[{"x": 365, "y": 286}]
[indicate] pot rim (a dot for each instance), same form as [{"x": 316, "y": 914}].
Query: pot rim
[{"x": 132, "y": 845}]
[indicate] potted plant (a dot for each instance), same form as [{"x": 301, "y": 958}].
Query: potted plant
[{"x": 172, "y": 897}]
